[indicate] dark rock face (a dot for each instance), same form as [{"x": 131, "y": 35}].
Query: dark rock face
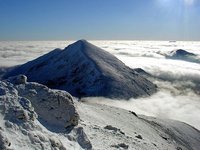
[
  {"x": 86, "y": 70},
  {"x": 181, "y": 53},
  {"x": 142, "y": 72}
]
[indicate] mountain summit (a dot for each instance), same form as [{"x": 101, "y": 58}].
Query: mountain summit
[
  {"x": 84, "y": 69},
  {"x": 184, "y": 55}
]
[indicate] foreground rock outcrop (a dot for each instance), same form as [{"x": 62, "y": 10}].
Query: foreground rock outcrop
[
  {"x": 54, "y": 107},
  {"x": 32, "y": 115},
  {"x": 85, "y": 70}
]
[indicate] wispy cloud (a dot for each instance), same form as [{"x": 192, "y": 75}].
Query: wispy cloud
[{"x": 189, "y": 2}]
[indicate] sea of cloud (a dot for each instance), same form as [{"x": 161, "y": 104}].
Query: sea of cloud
[
  {"x": 178, "y": 81},
  {"x": 18, "y": 52}
]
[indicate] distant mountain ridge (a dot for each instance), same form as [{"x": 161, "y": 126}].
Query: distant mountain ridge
[
  {"x": 181, "y": 54},
  {"x": 85, "y": 70}
]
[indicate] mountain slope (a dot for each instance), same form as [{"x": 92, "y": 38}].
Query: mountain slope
[
  {"x": 86, "y": 70},
  {"x": 26, "y": 110},
  {"x": 113, "y": 128}
]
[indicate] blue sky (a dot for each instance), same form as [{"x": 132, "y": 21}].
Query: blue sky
[{"x": 100, "y": 19}]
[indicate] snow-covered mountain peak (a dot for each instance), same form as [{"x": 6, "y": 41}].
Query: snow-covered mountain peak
[
  {"x": 79, "y": 45},
  {"x": 181, "y": 53},
  {"x": 184, "y": 55},
  {"x": 84, "y": 69}
]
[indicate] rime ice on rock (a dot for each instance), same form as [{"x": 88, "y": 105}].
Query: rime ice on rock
[
  {"x": 22, "y": 104},
  {"x": 55, "y": 107}
]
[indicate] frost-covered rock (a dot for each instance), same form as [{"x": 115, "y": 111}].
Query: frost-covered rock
[
  {"x": 19, "y": 79},
  {"x": 82, "y": 138},
  {"x": 52, "y": 106},
  {"x": 86, "y": 70},
  {"x": 22, "y": 105},
  {"x": 16, "y": 108},
  {"x": 4, "y": 142}
]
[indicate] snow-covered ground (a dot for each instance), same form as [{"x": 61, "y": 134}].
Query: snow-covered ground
[
  {"x": 114, "y": 128},
  {"x": 33, "y": 116}
]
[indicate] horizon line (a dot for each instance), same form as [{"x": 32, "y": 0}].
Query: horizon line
[{"x": 101, "y": 40}]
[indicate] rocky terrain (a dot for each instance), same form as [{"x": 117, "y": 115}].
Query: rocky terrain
[
  {"x": 85, "y": 70},
  {"x": 36, "y": 117}
]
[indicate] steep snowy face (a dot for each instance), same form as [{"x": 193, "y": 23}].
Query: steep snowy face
[{"x": 86, "y": 70}]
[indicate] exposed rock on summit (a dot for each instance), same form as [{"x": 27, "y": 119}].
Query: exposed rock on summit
[{"x": 85, "y": 70}]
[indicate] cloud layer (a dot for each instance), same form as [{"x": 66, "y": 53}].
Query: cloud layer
[{"x": 178, "y": 96}]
